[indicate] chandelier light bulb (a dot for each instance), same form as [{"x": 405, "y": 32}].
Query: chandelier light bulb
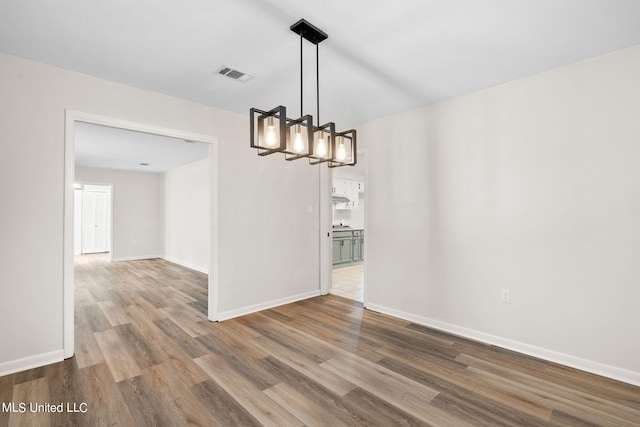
[
  {"x": 298, "y": 143},
  {"x": 271, "y": 133},
  {"x": 341, "y": 152},
  {"x": 321, "y": 146}
]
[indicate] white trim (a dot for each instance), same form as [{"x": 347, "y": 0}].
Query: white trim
[
  {"x": 365, "y": 247},
  {"x": 71, "y": 117},
  {"x": 97, "y": 119},
  {"x": 135, "y": 258},
  {"x": 591, "y": 366},
  {"x": 324, "y": 216},
  {"x": 68, "y": 309},
  {"x": 31, "y": 362},
  {"x": 185, "y": 264},
  {"x": 225, "y": 315},
  {"x": 214, "y": 263}
]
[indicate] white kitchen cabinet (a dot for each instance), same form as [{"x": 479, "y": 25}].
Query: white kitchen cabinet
[
  {"x": 352, "y": 194},
  {"x": 350, "y": 189},
  {"x": 339, "y": 187}
]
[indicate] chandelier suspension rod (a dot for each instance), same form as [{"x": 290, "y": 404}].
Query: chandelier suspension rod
[
  {"x": 318, "y": 83},
  {"x": 301, "y": 77}
]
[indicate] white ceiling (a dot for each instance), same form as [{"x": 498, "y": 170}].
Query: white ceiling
[
  {"x": 380, "y": 58},
  {"x": 106, "y": 147}
]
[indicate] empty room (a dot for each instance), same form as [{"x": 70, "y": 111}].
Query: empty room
[{"x": 492, "y": 280}]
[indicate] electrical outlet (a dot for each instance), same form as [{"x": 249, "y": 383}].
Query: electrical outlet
[{"x": 505, "y": 296}]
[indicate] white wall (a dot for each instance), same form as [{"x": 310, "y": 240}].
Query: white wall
[
  {"x": 268, "y": 241},
  {"x": 187, "y": 223},
  {"x": 349, "y": 172},
  {"x": 138, "y": 211},
  {"x": 532, "y": 186},
  {"x": 159, "y": 215}
]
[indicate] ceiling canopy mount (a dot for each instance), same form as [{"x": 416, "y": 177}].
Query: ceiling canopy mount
[{"x": 309, "y": 31}]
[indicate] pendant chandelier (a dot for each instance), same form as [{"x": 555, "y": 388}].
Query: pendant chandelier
[{"x": 273, "y": 132}]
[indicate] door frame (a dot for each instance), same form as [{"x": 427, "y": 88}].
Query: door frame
[
  {"x": 71, "y": 117},
  {"x": 326, "y": 240},
  {"x": 326, "y": 247}
]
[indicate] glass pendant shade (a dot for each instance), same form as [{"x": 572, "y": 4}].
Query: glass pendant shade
[
  {"x": 323, "y": 137},
  {"x": 269, "y": 130},
  {"x": 271, "y": 138},
  {"x": 298, "y": 143},
  {"x": 299, "y": 133},
  {"x": 344, "y": 149},
  {"x": 341, "y": 152}
]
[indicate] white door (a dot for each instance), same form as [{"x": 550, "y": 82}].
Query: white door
[{"x": 95, "y": 214}]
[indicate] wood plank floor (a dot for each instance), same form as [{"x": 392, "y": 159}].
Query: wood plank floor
[{"x": 146, "y": 355}]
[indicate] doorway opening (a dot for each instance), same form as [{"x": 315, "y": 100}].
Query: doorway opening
[
  {"x": 74, "y": 121},
  {"x": 348, "y": 214}
]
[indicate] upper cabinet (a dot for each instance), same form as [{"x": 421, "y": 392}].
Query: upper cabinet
[
  {"x": 339, "y": 187},
  {"x": 347, "y": 188}
]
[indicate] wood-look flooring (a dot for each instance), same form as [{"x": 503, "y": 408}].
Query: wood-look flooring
[{"x": 146, "y": 355}]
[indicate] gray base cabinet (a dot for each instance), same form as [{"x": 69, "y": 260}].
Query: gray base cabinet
[
  {"x": 358, "y": 241},
  {"x": 348, "y": 246}
]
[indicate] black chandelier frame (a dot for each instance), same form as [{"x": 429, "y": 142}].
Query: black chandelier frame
[{"x": 273, "y": 132}]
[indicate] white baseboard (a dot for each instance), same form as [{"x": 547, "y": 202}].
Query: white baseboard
[
  {"x": 135, "y": 258},
  {"x": 225, "y": 315},
  {"x": 31, "y": 362},
  {"x": 186, "y": 264},
  {"x": 591, "y": 366}
]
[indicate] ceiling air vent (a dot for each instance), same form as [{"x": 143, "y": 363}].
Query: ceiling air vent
[{"x": 233, "y": 74}]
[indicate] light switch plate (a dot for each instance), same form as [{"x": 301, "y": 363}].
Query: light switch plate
[{"x": 505, "y": 296}]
